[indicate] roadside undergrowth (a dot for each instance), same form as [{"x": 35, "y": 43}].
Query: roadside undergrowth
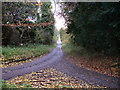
[{"x": 97, "y": 62}]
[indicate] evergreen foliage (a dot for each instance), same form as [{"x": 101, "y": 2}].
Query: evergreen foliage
[{"x": 95, "y": 26}]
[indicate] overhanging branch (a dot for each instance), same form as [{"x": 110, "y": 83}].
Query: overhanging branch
[{"x": 17, "y": 25}]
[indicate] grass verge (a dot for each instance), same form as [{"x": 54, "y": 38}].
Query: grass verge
[{"x": 13, "y": 54}]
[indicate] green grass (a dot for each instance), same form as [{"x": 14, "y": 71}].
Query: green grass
[
  {"x": 25, "y": 51},
  {"x": 74, "y": 50}
]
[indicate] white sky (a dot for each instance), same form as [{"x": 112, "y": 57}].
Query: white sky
[{"x": 59, "y": 21}]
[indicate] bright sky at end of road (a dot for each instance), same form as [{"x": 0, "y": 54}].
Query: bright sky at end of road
[{"x": 59, "y": 21}]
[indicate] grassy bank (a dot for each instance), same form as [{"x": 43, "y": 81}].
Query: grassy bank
[
  {"x": 71, "y": 49},
  {"x": 16, "y": 53}
]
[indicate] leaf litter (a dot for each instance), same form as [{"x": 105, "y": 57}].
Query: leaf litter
[{"x": 49, "y": 78}]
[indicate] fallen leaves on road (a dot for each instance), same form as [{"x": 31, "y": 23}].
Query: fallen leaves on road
[
  {"x": 100, "y": 64},
  {"x": 49, "y": 78}
]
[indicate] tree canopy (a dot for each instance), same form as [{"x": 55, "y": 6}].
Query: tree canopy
[
  {"x": 95, "y": 26},
  {"x": 19, "y": 14}
]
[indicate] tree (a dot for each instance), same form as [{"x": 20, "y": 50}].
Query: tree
[
  {"x": 95, "y": 26},
  {"x": 44, "y": 34},
  {"x": 16, "y": 13},
  {"x": 26, "y": 13}
]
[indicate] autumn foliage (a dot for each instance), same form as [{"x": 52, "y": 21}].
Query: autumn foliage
[{"x": 40, "y": 4}]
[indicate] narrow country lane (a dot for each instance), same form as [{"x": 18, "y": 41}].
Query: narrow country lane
[{"x": 56, "y": 59}]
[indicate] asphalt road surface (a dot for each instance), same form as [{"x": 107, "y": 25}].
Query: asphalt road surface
[{"x": 56, "y": 59}]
